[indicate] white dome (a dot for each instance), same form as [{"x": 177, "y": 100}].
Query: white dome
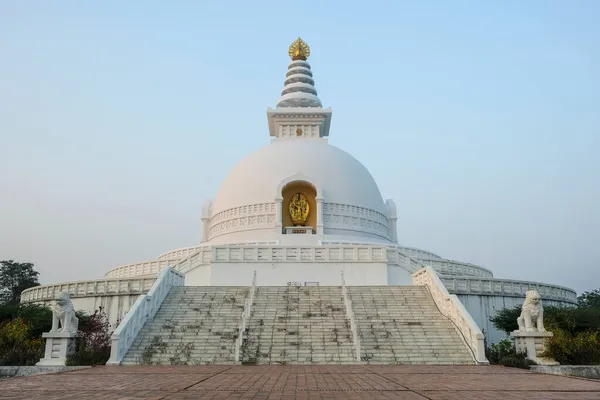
[{"x": 341, "y": 178}]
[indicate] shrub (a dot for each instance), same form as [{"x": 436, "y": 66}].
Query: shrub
[
  {"x": 582, "y": 348},
  {"x": 38, "y": 317},
  {"x": 589, "y": 299},
  {"x": 93, "y": 340},
  {"x": 576, "y": 339},
  {"x": 22, "y": 325},
  {"x": 570, "y": 319},
  {"x": 504, "y": 353},
  {"x": 17, "y": 347}
]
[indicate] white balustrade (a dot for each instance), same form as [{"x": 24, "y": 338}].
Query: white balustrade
[
  {"x": 193, "y": 260},
  {"x": 143, "y": 268},
  {"x": 452, "y": 308},
  {"x": 365, "y": 253},
  {"x": 178, "y": 254},
  {"x": 418, "y": 253},
  {"x": 100, "y": 287},
  {"x": 350, "y": 316},
  {"x": 400, "y": 256},
  {"x": 245, "y": 318},
  {"x": 506, "y": 287},
  {"x": 144, "y": 309},
  {"x": 449, "y": 267}
]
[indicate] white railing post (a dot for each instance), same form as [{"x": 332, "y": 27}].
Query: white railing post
[
  {"x": 245, "y": 317},
  {"x": 453, "y": 309},
  {"x": 350, "y": 316},
  {"x": 144, "y": 309}
]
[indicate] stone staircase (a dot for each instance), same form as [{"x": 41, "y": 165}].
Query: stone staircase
[
  {"x": 298, "y": 325},
  {"x": 194, "y": 325},
  {"x": 402, "y": 325}
]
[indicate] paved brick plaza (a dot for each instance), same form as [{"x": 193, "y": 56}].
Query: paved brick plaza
[{"x": 298, "y": 382}]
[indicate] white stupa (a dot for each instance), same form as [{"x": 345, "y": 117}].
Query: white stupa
[{"x": 298, "y": 211}]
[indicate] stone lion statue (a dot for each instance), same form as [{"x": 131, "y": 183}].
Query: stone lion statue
[
  {"x": 63, "y": 314},
  {"x": 532, "y": 313}
]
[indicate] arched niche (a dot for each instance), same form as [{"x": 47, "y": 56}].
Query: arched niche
[
  {"x": 299, "y": 184},
  {"x": 307, "y": 190}
]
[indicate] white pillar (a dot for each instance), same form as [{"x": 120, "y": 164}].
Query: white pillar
[
  {"x": 278, "y": 215},
  {"x": 392, "y": 220},
  {"x": 534, "y": 345},
  {"x": 205, "y": 227},
  {"x": 319, "y": 215},
  {"x": 393, "y": 229},
  {"x": 59, "y": 346},
  {"x": 206, "y": 216}
]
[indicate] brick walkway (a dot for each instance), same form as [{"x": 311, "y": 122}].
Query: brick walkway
[{"x": 299, "y": 382}]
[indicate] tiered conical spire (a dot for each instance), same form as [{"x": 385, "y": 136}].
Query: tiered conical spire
[{"x": 299, "y": 86}]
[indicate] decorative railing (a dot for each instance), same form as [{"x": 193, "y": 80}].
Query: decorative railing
[
  {"x": 352, "y": 319},
  {"x": 506, "y": 287},
  {"x": 295, "y": 254},
  {"x": 255, "y": 243},
  {"x": 449, "y": 267},
  {"x": 253, "y": 216},
  {"x": 139, "y": 269},
  {"x": 452, "y": 308},
  {"x": 178, "y": 254},
  {"x": 413, "y": 252},
  {"x": 101, "y": 287},
  {"x": 200, "y": 257},
  {"x": 355, "y": 218},
  {"x": 144, "y": 309},
  {"x": 398, "y": 256},
  {"x": 245, "y": 317}
]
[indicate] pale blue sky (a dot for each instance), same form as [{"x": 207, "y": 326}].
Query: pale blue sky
[{"x": 480, "y": 118}]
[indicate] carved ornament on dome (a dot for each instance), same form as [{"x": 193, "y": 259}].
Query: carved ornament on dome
[
  {"x": 302, "y": 115},
  {"x": 362, "y": 212},
  {"x": 252, "y": 216},
  {"x": 345, "y": 216},
  {"x": 299, "y": 209},
  {"x": 299, "y": 50}
]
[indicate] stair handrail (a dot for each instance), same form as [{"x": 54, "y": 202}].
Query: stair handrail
[
  {"x": 144, "y": 308},
  {"x": 350, "y": 316},
  {"x": 245, "y": 317},
  {"x": 452, "y": 308}
]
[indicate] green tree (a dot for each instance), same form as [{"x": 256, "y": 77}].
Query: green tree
[
  {"x": 14, "y": 278},
  {"x": 589, "y": 299},
  {"x": 506, "y": 319}
]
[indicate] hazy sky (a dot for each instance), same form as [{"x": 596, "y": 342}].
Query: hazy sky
[{"x": 480, "y": 118}]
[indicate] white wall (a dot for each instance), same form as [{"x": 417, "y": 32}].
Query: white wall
[
  {"x": 200, "y": 276},
  {"x": 259, "y": 234},
  {"x": 397, "y": 275},
  {"x": 279, "y": 274}
]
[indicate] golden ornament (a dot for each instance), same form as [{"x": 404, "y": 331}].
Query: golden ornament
[
  {"x": 299, "y": 50},
  {"x": 299, "y": 209}
]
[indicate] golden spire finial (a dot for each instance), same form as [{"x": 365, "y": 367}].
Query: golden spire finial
[{"x": 299, "y": 50}]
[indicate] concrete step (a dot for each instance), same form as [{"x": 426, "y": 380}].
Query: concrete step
[
  {"x": 299, "y": 325},
  {"x": 403, "y": 325}
]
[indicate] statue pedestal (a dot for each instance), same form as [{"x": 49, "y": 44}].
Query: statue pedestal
[
  {"x": 298, "y": 230},
  {"x": 533, "y": 344},
  {"x": 59, "y": 345}
]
